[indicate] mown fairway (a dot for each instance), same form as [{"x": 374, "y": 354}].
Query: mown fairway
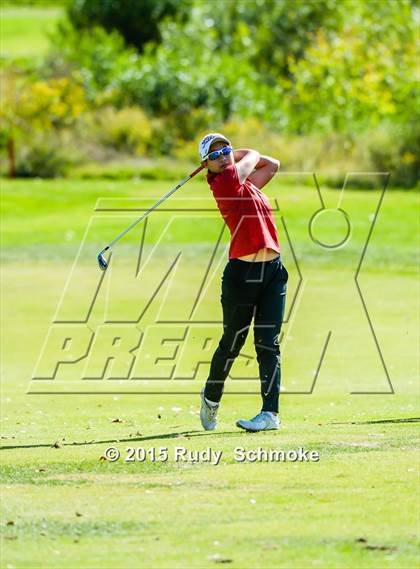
[
  {"x": 64, "y": 507},
  {"x": 24, "y": 30}
]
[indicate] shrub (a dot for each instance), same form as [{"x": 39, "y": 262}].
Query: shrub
[
  {"x": 127, "y": 130},
  {"x": 134, "y": 170},
  {"x": 47, "y": 110},
  {"x": 397, "y": 150},
  {"x": 52, "y": 104},
  {"x": 43, "y": 160},
  {"x": 95, "y": 56}
]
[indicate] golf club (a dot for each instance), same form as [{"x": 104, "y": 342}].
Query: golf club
[{"x": 103, "y": 263}]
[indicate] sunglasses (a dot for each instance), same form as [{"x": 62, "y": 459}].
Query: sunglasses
[{"x": 222, "y": 152}]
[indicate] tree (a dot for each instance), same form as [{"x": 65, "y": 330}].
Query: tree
[
  {"x": 270, "y": 31},
  {"x": 33, "y": 108},
  {"x": 136, "y": 20},
  {"x": 360, "y": 75}
]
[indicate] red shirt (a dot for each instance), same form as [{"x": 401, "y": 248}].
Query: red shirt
[{"x": 246, "y": 211}]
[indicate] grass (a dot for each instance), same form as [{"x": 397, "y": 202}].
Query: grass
[
  {"x": 60, "y": 210},
  {"x": 65, "y": 507},
  {"x": 28, "y": 22},
  {"x": 339, "y": 512}
]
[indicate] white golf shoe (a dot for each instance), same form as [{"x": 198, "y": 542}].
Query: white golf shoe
[
  {"x": 208, "y": 413},
  {"x": 264, "y": 421}
]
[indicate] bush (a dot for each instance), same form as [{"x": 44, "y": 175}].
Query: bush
[
  {"x": 43, "y": 160},
  {"x": 397, "y": 150},
  {"x": 95, "y": 56},
  {"x": 53, "y": 104},
  {"x": 126, "y": 130},
  {"x": 164, "y": 170}
]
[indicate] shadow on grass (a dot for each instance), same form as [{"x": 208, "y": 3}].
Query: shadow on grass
[
  {"x": 183, "y": 434},
  {"x": 189, "y": 434},
  {"x": 379, "y": 421}
]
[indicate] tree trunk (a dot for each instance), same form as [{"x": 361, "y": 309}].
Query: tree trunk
[{"x": 11, "y": 157}]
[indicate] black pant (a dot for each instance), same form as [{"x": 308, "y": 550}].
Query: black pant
[{"x": 251, "y": 290}]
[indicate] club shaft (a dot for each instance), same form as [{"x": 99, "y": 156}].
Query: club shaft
[{"x": 146, "y": 213}]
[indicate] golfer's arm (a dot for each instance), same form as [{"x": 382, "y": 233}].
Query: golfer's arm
[
  {"x": 266, "y": 168},
  {"x": 246, "y": 161}
]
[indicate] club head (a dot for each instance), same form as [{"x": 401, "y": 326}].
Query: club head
[{"x": 102, "y": 262}]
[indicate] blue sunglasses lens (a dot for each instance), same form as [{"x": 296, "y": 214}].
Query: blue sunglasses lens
[{"x": 213, "y": 155}]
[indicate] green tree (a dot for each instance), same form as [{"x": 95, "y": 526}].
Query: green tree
[
  {"x": 189, "y": 70},
  {"x": 37, "y": 110},
  {"x": 136, "y": 20},
  {"x": 268, "y": 32},
  {"x": 95, "y": 56},
  {"x": 362, "y": 74}
]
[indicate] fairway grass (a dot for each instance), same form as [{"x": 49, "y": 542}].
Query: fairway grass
[
  {"x": 24, "y": 30},
  {"x": 353, "y": 508},
  {"x": 64, "y": 506}
]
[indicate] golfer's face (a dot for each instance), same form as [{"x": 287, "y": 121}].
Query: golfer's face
[{"x": 221, "y": 162}]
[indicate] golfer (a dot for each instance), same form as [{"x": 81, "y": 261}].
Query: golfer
[{"x": 254, "y": 280}]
